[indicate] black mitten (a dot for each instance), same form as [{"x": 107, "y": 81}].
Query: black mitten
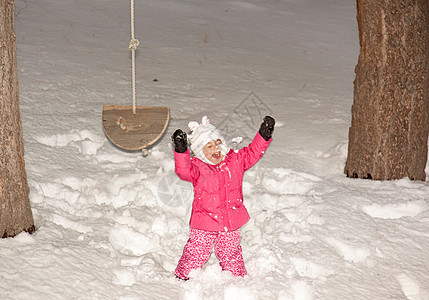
[
  {"x": 267, "y": 128},
  {"x": 179, "y": 138}
]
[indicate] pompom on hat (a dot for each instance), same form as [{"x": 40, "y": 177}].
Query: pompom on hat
[{"x": 201, "y": 135}]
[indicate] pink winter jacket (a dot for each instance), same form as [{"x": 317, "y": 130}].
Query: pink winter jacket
[{"x": 218, "y": 196}]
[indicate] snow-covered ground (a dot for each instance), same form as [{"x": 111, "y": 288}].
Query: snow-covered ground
[{"x": 112, "y": 224}]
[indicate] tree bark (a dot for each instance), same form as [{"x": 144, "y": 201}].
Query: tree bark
[
  {"x": 389, "y": 130},
  {"x": 15, "y": 210}
]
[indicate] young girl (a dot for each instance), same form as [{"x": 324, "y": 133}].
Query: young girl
[{"x": 216, "y": 173}]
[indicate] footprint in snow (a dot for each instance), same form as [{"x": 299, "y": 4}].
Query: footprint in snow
[
  {"x": 348, "y": 252},
  {"x": 411, "y": 287},
  {"x": 285, "y": 182},
  {"x": 306, "y": 268},
  {"x": 395, "y": 210}
]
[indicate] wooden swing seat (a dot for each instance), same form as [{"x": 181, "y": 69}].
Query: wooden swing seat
[{"x": 135, "y": 131}]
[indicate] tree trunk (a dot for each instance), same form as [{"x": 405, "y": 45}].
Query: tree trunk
[
  {"x": 389, "y": 130},
  {"x": 15, "y": 210}
]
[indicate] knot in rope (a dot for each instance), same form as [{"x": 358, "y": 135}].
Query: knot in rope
[{"x": 134, "y": 43}]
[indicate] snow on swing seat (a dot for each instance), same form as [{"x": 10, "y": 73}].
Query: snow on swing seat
[{"x": 135, "y": 131}]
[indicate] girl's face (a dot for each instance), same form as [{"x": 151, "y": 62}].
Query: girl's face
[{"x": 212, "y": 151}]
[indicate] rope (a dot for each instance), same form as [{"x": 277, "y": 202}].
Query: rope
[{"x": 133, "y": 46}]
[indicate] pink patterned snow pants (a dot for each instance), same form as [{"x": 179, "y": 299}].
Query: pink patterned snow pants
[{"x": 199, "y": 247}]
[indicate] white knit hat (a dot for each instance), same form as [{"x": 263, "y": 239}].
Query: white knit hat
[{"x": 201, "y": 135}]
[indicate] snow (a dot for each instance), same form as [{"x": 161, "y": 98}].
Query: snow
[{"x": 112, "y": 224}]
